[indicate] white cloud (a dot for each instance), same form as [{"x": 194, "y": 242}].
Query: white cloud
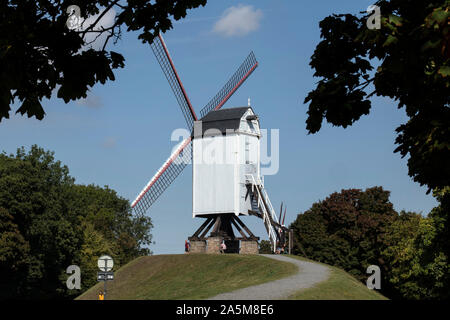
[
  {"x": 91, "y": 101},
  {"x": 105, "y": 22},
  {"x": 238, "y": 21},
  {"x": 109, "y": 142},
  {"x": 193, "y": 20}
]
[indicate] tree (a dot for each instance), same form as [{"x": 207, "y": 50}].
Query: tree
[
  {"x": 38, "y": 53},
  {"x": 346, "y": 229},
  {"x": 47, "y": 223},
  {"x": 310, "y": 228},
  {"x": 440, "y": 216},
  {"x": 439, "y": 250},
  {"x": 31, "y": 189},
  {"x": 414, "y": 268},
  {"x": 265, "y": 247},
  {"x": 354, "y": 229},
  {"x": 94, "y": 246},
  {"x": 410, "y": 55},
  {"x": 106, "y": 215},
  {"x": 14, "y": 256}
]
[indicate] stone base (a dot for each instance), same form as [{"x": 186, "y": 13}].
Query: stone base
[
  {"x": 249, "y": 247},
  {"x": 232, "y": 246},
  {"x": 198, "y": 246},
  {"x": 213, "y": 245}
]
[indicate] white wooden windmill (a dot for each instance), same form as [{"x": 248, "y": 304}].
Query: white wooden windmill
[{"x": 225, "y": 150}]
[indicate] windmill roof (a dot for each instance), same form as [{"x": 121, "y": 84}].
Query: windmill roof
[
  {"x": 225, "y": 114},
  {"x": 222, "y": 120}
]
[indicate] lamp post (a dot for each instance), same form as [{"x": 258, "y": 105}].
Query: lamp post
[{"x": 105, "y": 264}]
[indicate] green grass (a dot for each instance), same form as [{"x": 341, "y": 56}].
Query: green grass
[
  {"x": 339, "y": 286},
  {"x": 189, "y": 276},
  {"x": 200, "y": 276}
]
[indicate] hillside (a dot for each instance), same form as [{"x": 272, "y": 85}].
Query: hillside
[
  {"x": 201, "y": 276},
  {"x": 339, "y": 286},
  {"x": 189, "y": 276}
]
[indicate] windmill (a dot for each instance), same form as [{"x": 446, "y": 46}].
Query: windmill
[{"x": 218, "y": 196}]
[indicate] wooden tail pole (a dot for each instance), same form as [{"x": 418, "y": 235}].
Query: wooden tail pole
[{"x": 281, "y": 211}]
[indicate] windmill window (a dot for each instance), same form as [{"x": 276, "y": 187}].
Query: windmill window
[
  {"x": 251, "y": 126},
  {"x": 247, "y": 151}
]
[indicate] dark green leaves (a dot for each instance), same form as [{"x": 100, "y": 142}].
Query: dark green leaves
[
  {"x": 32, "y": 107},
  {"x": 425, "y": 137},
  {"x": 444, "y": 71},
  {"x": 47, "y": 222},
  {"x": 333, "y": 101},
  {"x": 438, "y": 17},
  {"x": 117, "y": 60},
  {"x": 412, "y": 52},
  {"x": 339, "y": 59},
  {"x": 346, "y": 229},
  {"x": 38, "y": 53},
  {"x": 82, "y": 71}
]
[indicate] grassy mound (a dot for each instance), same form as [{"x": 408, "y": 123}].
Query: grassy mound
[
  {"x": 339, "y": 286},
  {"x": 200, "y": 276},
  {"x": 189, "y": 276}
]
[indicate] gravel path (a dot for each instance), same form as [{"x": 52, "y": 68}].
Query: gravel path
[{"x": 308, "y": 275}]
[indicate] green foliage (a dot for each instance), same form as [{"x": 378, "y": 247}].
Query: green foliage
[
  {"x": 413, "y": 267},
  {"x": 417, "y": 256},
  {"x": 437, "y": 255},
  {"x": 354, "y": 229},
  {"x": 47, "y": 223},
  {"x": 440, "y": 215},
  {"x": 346, "y": 229},
  {"x": 32, "y": 188},
  {"x": 407, "y": 60},
  {"x": 14, "y": 252},
  {"x": 38, "y": 53},
  {"x": 265, "y": 247},
  {"x": 94, "y": 246},
  {"x": 410, "y": 55}
]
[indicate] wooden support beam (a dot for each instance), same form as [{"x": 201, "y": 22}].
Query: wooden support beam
[
  {"x": 238, "y": 228},
  {"x": 202, "y": 236},
  {"x": 255, "y": 213},
  {"x": 217, "y": 224},
  {"x": 227, "y": 227},
  {"x": 247, "y": 238},
  {"x": 245, "y": 228},
  {"x": 222, "y": 226},
  {"x": 204, "y": 224}
]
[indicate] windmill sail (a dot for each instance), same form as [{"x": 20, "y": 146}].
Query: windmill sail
[
  {"x": 173, "y": 166},
  {"x": 165, "y": 61},
  {"x": 177, "y": 161},
  {"x": 241, "y": 74}
]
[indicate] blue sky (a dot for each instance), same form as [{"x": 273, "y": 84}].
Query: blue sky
[{"x": 121, "y": 135}]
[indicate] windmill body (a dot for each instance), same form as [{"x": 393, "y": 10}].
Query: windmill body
[
  {"x": 225, "y": 150},
  {"x": 226, "y": 147}
]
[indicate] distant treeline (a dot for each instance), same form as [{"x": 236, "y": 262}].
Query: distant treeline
[{"x": 47, "y": 222}]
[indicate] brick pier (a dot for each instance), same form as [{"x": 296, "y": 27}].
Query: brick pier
[
  {"x": 198, "y": 246},
  {"x": 213, "y": 245},
  {"x": 249, "y": 247}
]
